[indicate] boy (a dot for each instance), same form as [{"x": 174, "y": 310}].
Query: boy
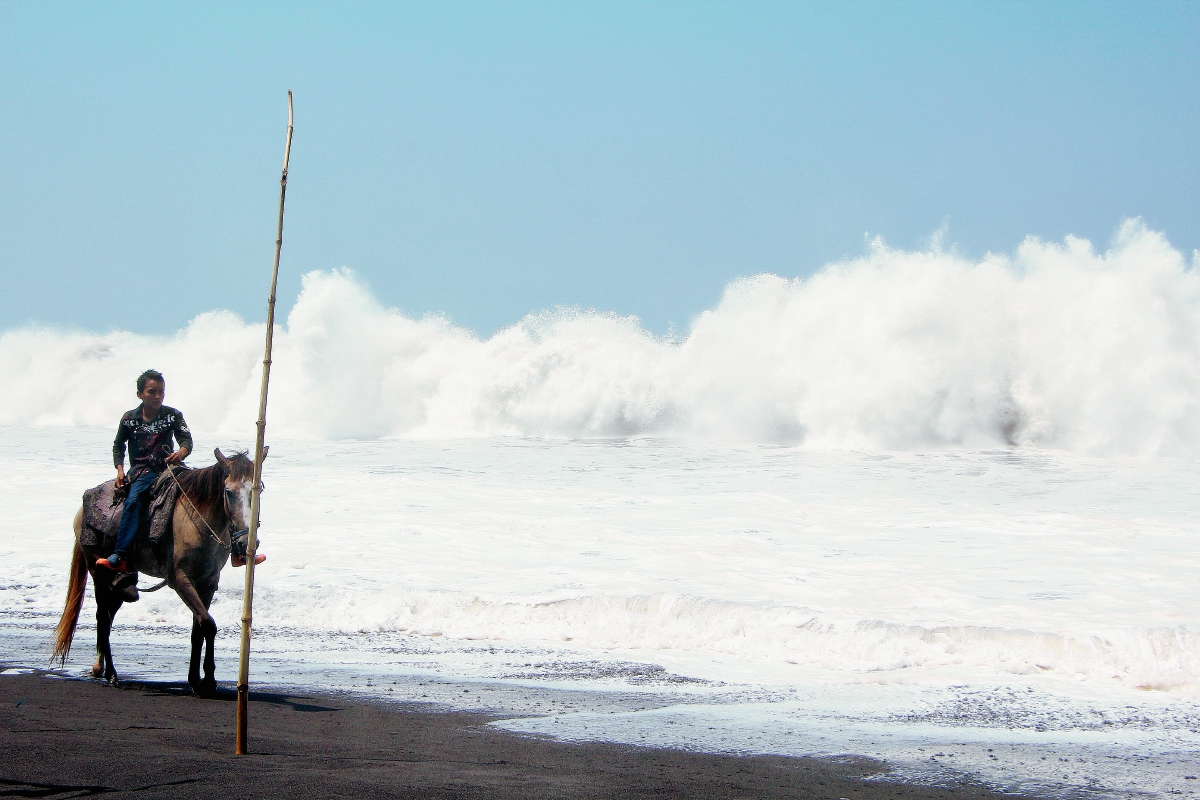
[{"x": 148, "y": 430}]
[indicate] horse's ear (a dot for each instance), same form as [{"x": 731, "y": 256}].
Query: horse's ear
[
  {"x": 220, "y": 456},
  {"x": 266, "y": 447}
]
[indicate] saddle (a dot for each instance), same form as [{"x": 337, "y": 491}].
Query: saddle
[{"x": 104, "y": 504}]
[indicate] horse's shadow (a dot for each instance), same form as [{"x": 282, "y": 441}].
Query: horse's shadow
[{"x": 225, "y": 693}]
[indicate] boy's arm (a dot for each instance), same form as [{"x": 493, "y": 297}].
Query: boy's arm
[
  {"x": 184, "y": 437},
  {"x": 119, "y": 452}
]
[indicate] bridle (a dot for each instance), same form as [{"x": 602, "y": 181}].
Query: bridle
[{"x": 194, "y": 513}]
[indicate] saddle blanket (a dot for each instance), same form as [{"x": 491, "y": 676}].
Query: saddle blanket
[{"x": 103, "y": 505}]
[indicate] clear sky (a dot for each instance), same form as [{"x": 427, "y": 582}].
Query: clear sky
[{"x": 485, "y": 160}]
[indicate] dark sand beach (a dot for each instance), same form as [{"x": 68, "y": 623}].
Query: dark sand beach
[{"x": 77, "y": 738}]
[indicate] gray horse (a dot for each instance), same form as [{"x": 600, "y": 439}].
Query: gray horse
[{"x": 214, "y": 504}]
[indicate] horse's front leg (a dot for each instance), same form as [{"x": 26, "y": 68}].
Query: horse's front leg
[
  {"x": 194, "y": 664},
  {"x": 204, "y": 631},
  {"x": 209, "y": 684}
]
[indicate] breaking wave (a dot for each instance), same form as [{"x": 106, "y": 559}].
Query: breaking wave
[
  {"x": 1057, "y": 346},
  {"x": 1146, "y": 659}
]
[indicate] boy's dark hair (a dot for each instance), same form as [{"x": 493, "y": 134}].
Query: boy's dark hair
[{"x": 150, "y": 375}]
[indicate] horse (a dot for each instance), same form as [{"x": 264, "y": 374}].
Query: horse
[{"x": 213, "y": 508}]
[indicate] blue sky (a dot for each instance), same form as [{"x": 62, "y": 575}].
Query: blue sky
[{"x": 486, "y": 160}]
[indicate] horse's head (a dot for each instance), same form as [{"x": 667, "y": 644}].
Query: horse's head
[{"x": 239, "y": 479}]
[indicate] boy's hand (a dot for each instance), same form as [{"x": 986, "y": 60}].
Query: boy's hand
[
  {"x": 120, "y": 476},
  {"x": 178, "y": 455}
]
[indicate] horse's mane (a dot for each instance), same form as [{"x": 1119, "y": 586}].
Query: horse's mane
[{"x": 206, "y": 487}]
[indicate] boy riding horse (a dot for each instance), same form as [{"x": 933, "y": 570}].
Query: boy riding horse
[{"x": 147, "y": 430}]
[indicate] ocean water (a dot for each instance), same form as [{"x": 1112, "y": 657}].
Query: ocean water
[{"x": 929, "y": 510}]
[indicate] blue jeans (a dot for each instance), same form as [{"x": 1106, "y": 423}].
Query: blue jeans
[{"x": 135, "y": 509}]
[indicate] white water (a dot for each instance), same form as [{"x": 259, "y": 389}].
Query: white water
[
  {"x": 1058, "y": 347},
  {"x": 912, "y": 502}
]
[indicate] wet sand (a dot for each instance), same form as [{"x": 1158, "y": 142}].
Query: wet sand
[{"x": 75, "y": 738}]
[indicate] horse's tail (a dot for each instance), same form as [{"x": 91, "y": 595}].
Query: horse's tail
[{"x": 65, "y": 632}]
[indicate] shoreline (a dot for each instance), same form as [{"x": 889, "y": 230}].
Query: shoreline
[
  {"x": 664, "y": 715},
  {"x": 66, "y": 736}
]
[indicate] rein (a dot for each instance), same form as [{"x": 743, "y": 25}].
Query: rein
[{"x": 193, "y": 512}]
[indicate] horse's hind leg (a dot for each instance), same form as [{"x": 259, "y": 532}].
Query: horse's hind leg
[
  {"x": 106, "y": 611},
  {"x": 103, "y": 625}
]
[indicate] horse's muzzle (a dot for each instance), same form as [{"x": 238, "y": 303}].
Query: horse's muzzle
[{"x": 238, "y": 541}]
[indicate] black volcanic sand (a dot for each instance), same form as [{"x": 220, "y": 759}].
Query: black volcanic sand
[{"x": 77, "y": 738}]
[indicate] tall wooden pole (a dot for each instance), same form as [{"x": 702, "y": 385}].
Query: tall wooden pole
[{"x": 243, "y": 684}]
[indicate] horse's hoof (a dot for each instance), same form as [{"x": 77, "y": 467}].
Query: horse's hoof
[
  {"x": 113, "y": 680},
  {"x": 97, "y": 670},
  {"x": 207, "y": 688}
]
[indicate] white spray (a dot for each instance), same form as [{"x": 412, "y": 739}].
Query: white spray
[{"x": 1056, "y": 347}]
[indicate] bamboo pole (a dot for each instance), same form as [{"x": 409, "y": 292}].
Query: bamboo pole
[{"x": 243, "y": 684}]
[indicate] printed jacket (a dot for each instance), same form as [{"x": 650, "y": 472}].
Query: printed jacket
[{"x": 149, "y": 442}]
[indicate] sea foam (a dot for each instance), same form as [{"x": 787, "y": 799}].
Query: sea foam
[{"x": 1057, "y": 346}]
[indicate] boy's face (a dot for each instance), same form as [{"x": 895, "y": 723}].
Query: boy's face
[{"x": 152, "y": 395}]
